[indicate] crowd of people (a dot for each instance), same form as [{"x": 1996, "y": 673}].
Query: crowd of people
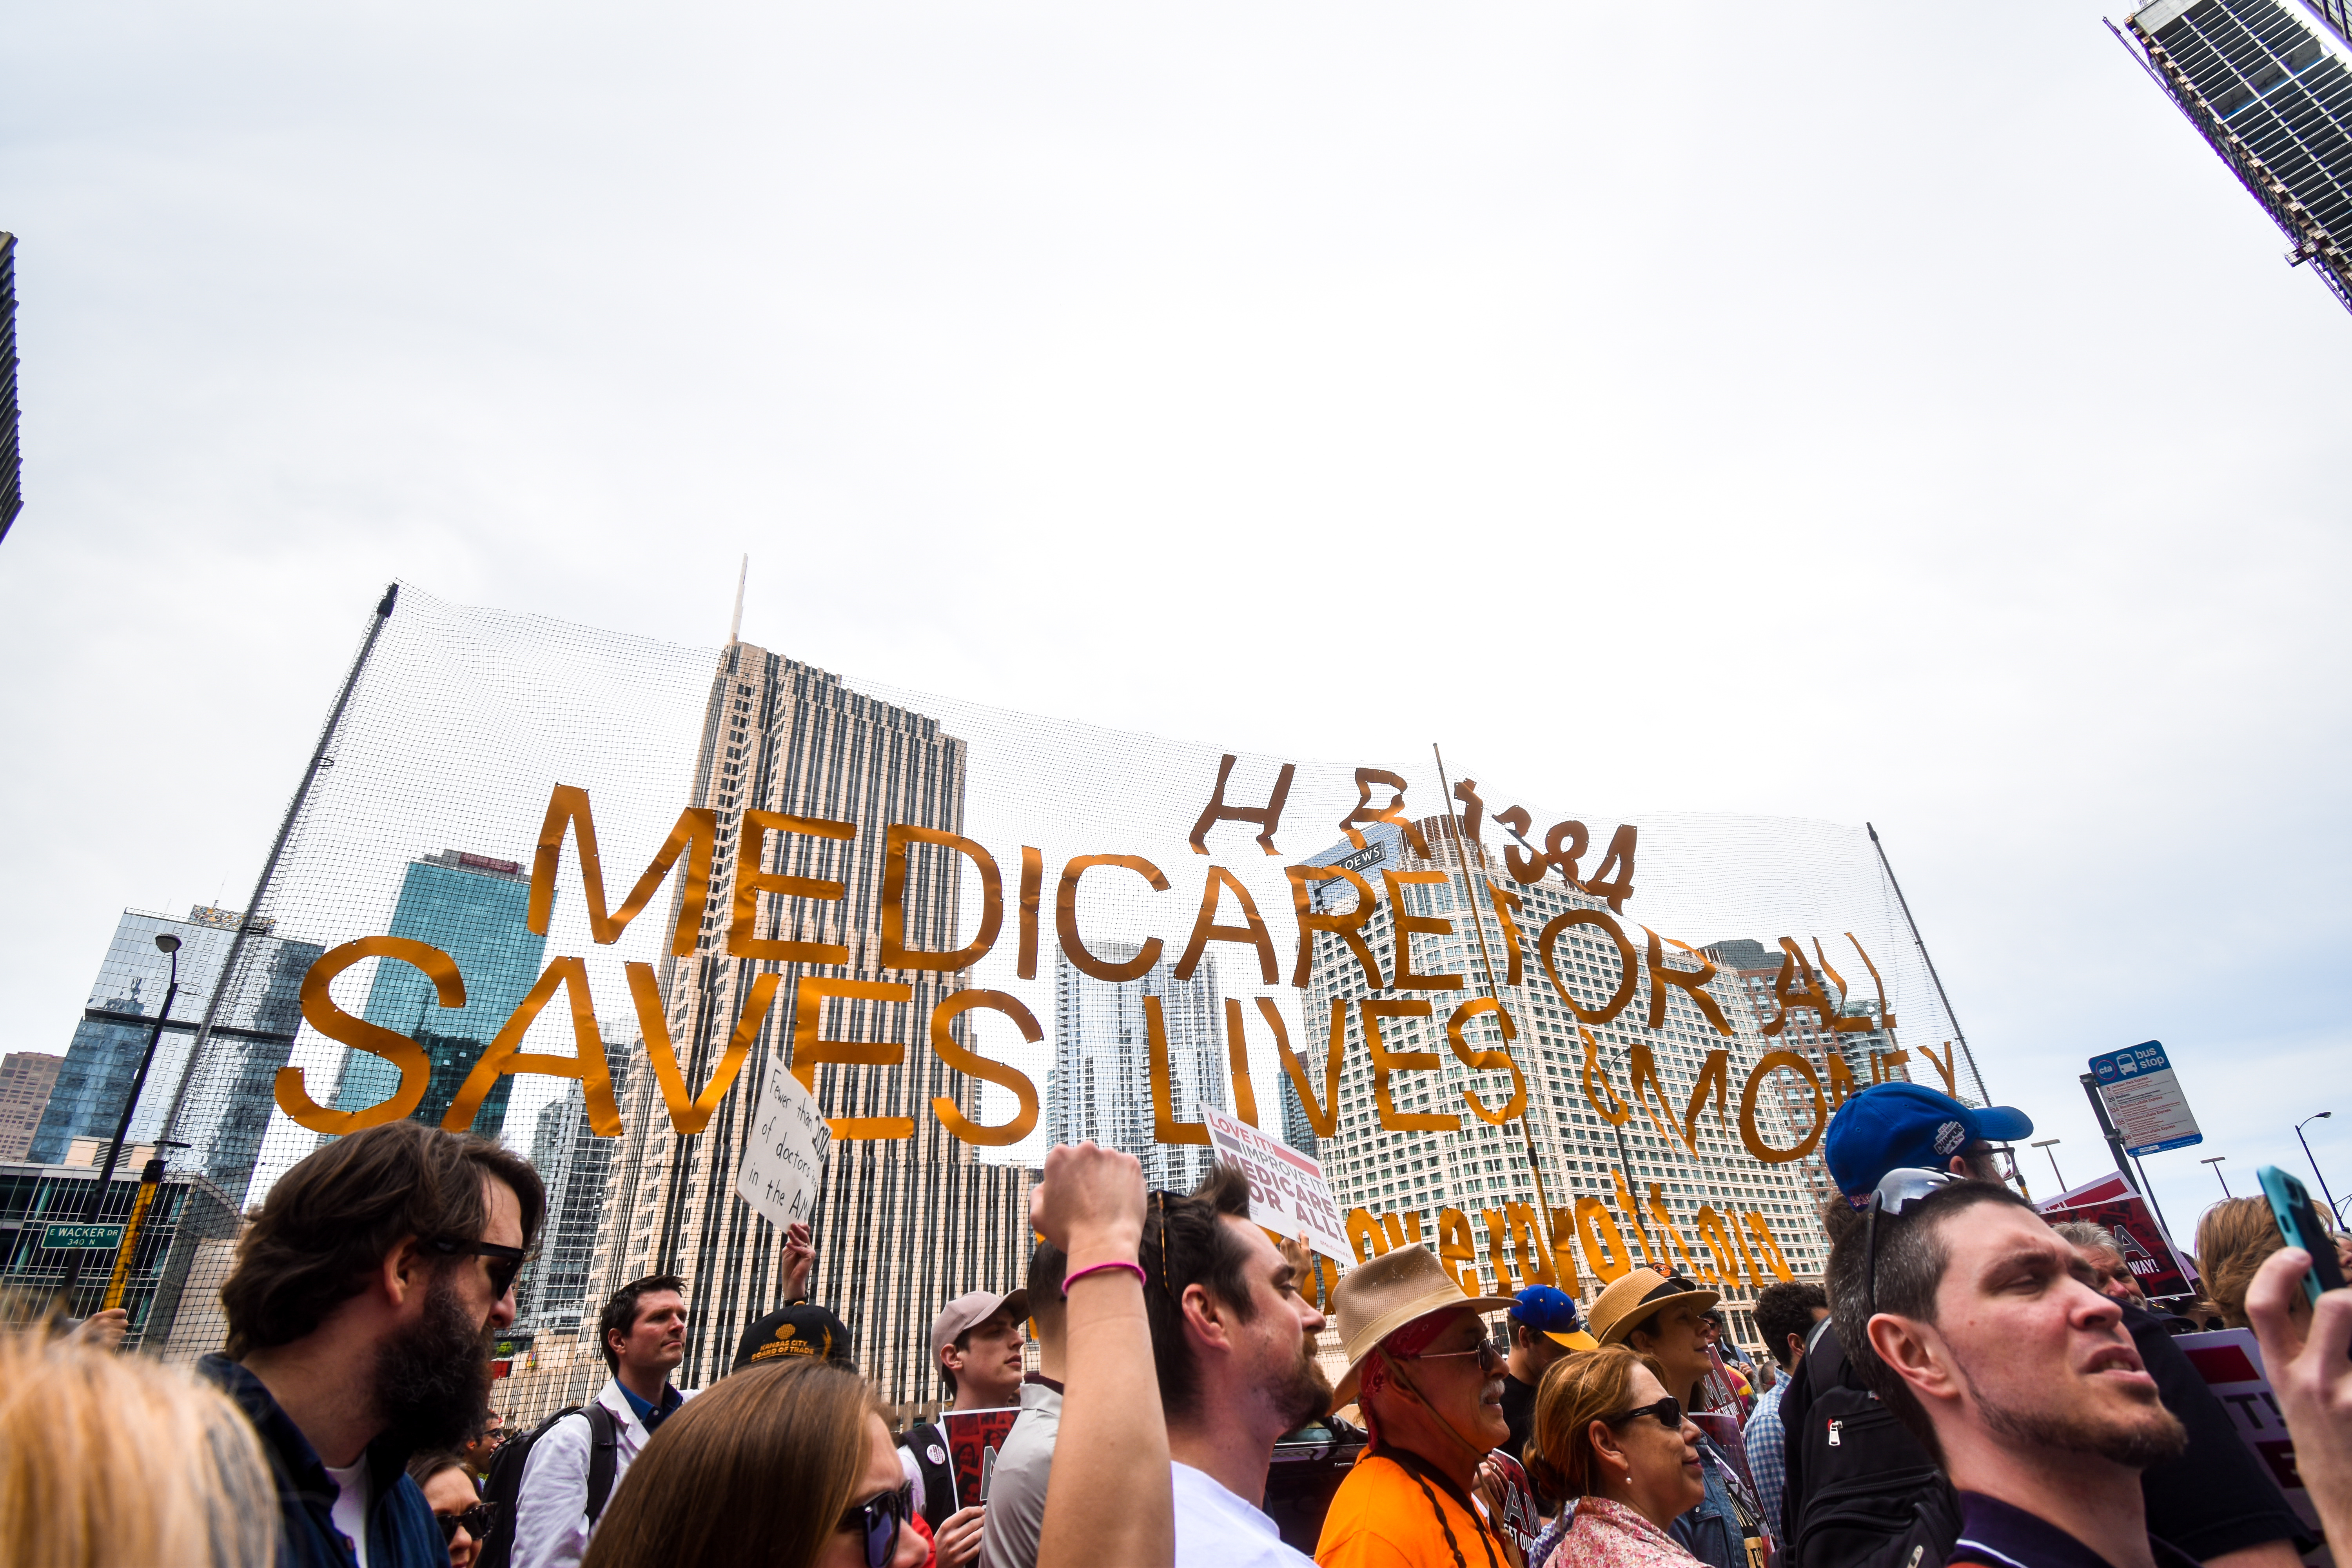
[{"x": 1970, "y": 1385}]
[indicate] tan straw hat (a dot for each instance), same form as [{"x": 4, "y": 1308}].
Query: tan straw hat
[
  {"x": 1634, "y": 1297},
  {"x": 1380, "y": 1297}
]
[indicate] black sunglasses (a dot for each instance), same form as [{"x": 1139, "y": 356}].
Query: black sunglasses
[
  {"x": 1669, "y": 1412},
  {"x": 503, "y": 1263},
  {"x": 475, "y": 1521},
  {"x": 878, "y": 1520}
]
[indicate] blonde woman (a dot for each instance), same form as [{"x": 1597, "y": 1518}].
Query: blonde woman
[
  {"x": 119, "y": 1462},
  {"x": 1611, "y": 1440}
]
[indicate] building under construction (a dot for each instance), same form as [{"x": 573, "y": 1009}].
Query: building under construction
[{"x": 2260, "y": 86}]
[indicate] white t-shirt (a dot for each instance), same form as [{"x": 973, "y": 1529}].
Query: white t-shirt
[
  {"x": 1214, "y": 1528},
  {"x": 350, "y": 1511}
]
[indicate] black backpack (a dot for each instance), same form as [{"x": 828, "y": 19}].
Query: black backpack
[
  {"x": 1861, "y": 1492},
  {"x": 503, "y": 1487}
]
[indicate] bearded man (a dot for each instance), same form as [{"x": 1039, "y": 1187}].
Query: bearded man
[
  {"x": 1988, "y": 1337},
  {"x": 360, "y": 1314},
  {"x": 1430, "y": 1383}
]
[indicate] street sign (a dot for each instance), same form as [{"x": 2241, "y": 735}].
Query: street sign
[
  {"x": 84, "y": 1238},
  {"x": 2145, "y": 1100}
]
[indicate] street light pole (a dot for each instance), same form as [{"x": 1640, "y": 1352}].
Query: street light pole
[
  {"x": 2315, "y": 1165},
  {"x": 170, "y": 944},
  {"x": 2216, "y": 1162},
  {"x": 2044, "y": 1146}
]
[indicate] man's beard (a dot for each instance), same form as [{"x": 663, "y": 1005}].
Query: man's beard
[
  {"x": 1305, "y": 1392},
  {"x": 433, "y": 1378},
  {"x": 2154, "y": 1435}
]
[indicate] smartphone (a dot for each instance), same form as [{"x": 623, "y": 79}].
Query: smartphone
[{"x": 2299, "y": 1222}]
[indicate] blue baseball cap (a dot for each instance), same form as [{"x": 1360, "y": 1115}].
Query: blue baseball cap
[
  {"x": 1552, "y": 1314},
  {"x": 1892, "y": 1125}
]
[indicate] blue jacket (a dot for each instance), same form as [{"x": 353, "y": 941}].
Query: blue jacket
[
  {"x": 1711, "y": 1531},
  {"x": 401, "y": 1528}
]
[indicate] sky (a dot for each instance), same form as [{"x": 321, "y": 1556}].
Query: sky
[{"x": 1856, "y": 414}]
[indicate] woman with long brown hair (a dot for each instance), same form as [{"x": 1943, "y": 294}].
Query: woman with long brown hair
[{"x": 1610, "y": 1439}]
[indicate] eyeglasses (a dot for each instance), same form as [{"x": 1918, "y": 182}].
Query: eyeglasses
[
  {"x": 878, "y": 1520},
  {"x": 1160, "y": 1196},
  {"x": 1669, "y": 1412},
  {"x": 474, "y": 1521},
  {"x": 502, "y": 1263},
  {"x": 1484, "y": 1349},
  {"x": 1896, "y": 1191}
]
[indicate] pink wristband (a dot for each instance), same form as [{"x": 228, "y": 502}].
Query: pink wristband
[{"x": 1070, "y": 1279}]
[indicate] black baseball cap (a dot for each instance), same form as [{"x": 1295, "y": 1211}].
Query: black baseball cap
[{"x": 802, "y": 1329}]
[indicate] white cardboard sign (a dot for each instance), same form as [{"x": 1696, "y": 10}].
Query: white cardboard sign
[
  {"x": 1287, "y": 1193},
  {"x": 784, "y": 1164}
]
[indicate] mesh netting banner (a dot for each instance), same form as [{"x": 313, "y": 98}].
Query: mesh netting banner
[{"x": 577, "y": 890}]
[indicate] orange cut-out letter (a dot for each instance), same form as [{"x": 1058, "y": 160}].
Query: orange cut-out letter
[
  {"x": 1602, "y": 1244},
  {"x": 1487, "y": 1061},
  {"x": 1032, "y": 884},
  {"x": 810, "y": 993},
  {"x": 1386, "y": 1061},
  {"x": 689, "y": 1114},
  {"x": 895, "y": 955},
  {"x": 1206, "y": 930},
  {"x": 1065, "y": 918},
  {"x": 319, "y": 1010},
  {"x": 1237, "y": 1063},
  {"x": 1348, "y": 925},
  {"x": 1323, "y": 1113},
  {"x": 1747, "y": 1134},
  {"x": 1410, "y": 926},
  {"x": 959, "y": 1058},
  {"x": 753, "y": 878},
  {"x": 695, "y": 836},
  {"x": 1268, "y": 816},
  {"x": 1393, "y": 814},
  {"x": 505, "y": 1055},
  {"x": 1629, "y": 964},
  {"x": 1691, "y": 982}
]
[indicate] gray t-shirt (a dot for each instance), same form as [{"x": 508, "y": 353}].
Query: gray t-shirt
[{"x": 1016, "y": 1490}]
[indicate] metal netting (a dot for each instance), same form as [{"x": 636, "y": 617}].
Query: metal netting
[{"x": 425, "y": 822}]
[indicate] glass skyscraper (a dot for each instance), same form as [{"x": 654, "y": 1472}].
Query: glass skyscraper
[
  {"x": 472, "y": 907},
  {"x": 2261, "y": 86}
]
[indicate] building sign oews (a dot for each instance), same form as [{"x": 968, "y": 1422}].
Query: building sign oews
[{"x": 2144, "y": 1098}]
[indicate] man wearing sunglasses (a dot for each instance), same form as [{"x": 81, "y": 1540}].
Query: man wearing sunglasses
[
  {"x": 359, "y": 1315},
  {"x": 1985, "y": 1333}
]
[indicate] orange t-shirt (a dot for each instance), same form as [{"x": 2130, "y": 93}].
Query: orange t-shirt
[{"x": 1380, "y": 1518}]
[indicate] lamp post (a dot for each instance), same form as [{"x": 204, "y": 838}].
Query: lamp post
[
  {"x": 2216, "y": 1162},
  {"x": 2315, "y": 1165},
  {"x": 2045, "y": 1144},
  {"x": 170, "y": 945}
]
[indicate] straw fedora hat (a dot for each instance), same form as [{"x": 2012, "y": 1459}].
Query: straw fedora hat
[
  {"x": 1380, "y": 1297},
  {"x": 1634, "y": 1297}
]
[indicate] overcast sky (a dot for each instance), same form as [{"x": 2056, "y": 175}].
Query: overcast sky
[{"x": 1848, "y": 412}]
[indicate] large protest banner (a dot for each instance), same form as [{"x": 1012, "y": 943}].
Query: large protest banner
[
  {"x": 2164, "y": 1272},
  {"x": 554, "y": 866}
]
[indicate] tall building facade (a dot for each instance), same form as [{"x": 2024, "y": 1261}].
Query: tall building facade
[
  {"x": 903, "y": 1225},
  {"x": 1484, "y": 1166},
  {"x": 473, "y": 908},
  {"x": 253, "y": 1035},
  {"x": 577, "y": 1167},
  {"x": 2274, "y": 102},
  {"x": 26, "y": 1080},
  {"x": 1101, "y": 1057}
]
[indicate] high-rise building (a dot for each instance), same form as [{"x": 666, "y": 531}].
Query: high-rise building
[
  {"x": 903, "y": 1225},
  {"x": 577, "y": 1167},
  {"x": 253, "y": 1035},
  {"x": 1484, "y": 1166},
  {"x": 26, "y": 1080},
  {"x": 473, "y": 908},
  {"x": 12, "y": 495},
  {"x": 1102, "y": 1044},
  {"x": 2274, "y": 102}
]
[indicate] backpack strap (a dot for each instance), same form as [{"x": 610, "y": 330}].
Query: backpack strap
[
  {"x": 603, "y": 1456},
  {"x": 938, "y": 1475}
]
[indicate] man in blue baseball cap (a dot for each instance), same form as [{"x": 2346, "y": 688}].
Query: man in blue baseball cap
[
  {"x": 1889, "y": 1126},
  {"x": 1544, "y": 1328}
]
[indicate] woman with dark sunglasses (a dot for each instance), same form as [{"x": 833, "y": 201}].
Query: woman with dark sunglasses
[
  {"x": 457, "y": 1507},
  {"x": 1610, "y": 1439}
]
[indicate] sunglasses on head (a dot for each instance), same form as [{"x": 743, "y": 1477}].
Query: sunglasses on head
[
  {"x": 474, "y": 1521},
  {"x": 1896, "y": 1191},
  {"x": 1669, "y": 1412},
  {"x": 877, "y": 1521},
  {"x": 503, "y": 1263}
]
